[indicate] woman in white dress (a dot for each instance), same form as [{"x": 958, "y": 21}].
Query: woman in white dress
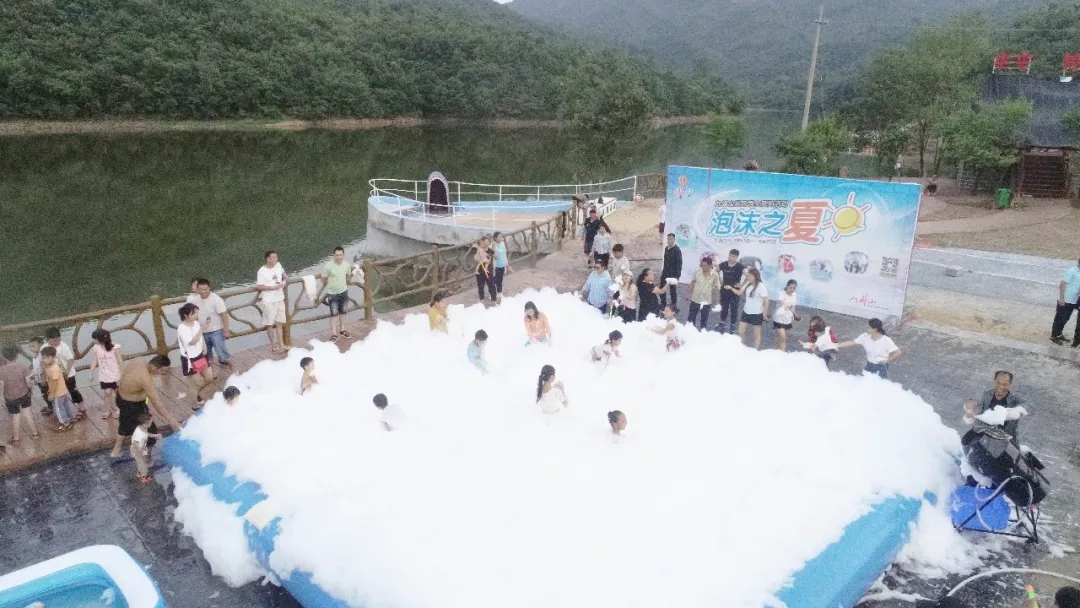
[{"x": 550, "y": 395}]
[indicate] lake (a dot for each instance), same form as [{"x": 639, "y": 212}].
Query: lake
[{"x": 95, "y": 221}]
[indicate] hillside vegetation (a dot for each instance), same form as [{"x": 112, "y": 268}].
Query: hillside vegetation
[
  {"x": 65, "y": 59},
  {"x": 762, "y": 47}
]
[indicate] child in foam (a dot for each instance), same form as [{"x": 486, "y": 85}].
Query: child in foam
[
  {"x": 308, "y": 380},
  {"x": 603, "y": 352},
  {"x": 537, "y": 328},
  {"x": 475, "y": 352},
  {"x": 393, "y": 418},
  {"x": 550, "y": 395},
  {"x": 232, "y": 395},
  {"x": 670, "y": 329},
  {"x": 617, "y": 420}
]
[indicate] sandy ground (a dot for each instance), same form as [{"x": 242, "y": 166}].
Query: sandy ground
[{"x": 1060, "y": 239}]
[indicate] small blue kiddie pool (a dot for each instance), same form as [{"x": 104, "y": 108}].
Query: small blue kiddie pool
[{"x": 102, "y": 576}]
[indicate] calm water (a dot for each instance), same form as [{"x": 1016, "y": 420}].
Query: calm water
[{"x": 93, "y": 221}]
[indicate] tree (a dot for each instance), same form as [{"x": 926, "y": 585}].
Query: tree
[
  {"x": 725, "y": 136},
  {"x": 890, "y": 144},
  {"x": 924, "y": 83},
  {"x": 988, "y": 137},
  {"x": 1071, "y": 121},
  {"x": 814, "y": 152}
]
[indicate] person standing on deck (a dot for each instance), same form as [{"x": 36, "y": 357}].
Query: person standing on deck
[
  {"x": 15, "y": 386},
  {"x": 1068, "y": 301},
  {"x": 485, "y": 272},
  {"x": 602, "y": 246},
  {"x": 215, "y": 322},
  {"x": 335, "y": 277},
  {"x": 66, "y": 359},
  {"x": 672, "y": 269},
  {"x": 271, "y": 283},
  {"x": 592, "y": 227},
  {"x": 193, "y": 360},
  {"x": 731, "y": 275},
  {"x": 502, "y": 262},
  {"x": 136, "y": 394}
]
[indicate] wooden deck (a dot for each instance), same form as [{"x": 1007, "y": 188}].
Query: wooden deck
[{"x": 94, "y": 433}]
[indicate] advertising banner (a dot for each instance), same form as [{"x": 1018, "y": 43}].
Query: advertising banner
[{"x": 847, "y": 242}]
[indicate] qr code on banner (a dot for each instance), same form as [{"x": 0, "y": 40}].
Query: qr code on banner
[{"x": 889, "y": 267}]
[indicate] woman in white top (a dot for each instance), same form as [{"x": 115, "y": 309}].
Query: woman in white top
[
  {"x": 880, "y": 349},
  {"x": 193, "y": 361},
  {"x": 109, "y": 363},
  {"x": 670, "y": 329},
  {"x": 756, "y": 307},
  {"x": 784, "y": 317},
  {"x": 821, "y": 340},
  {"x": 550, "y": 395},
  {"x": 628, "y": 292}
]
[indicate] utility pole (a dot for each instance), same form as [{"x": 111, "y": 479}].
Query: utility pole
[{"x": 813, "y": 67}]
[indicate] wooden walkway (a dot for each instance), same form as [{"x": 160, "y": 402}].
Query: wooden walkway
[{"x": 94, "y": 434}]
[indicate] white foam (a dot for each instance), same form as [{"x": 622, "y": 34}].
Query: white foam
[
  {"x": 217, "y": 529},
  {"x": 738, "y": 466}
]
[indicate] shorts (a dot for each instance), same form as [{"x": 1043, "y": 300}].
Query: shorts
[
  {"x": 129, "y": 416},
  {"x": 337, "y": 302},
  {"x": 105, "y": 385},
  {"x": 755, "y": 320},
  {"x": 776, "y": 325},
  {"x": 193, "y": 366},
  {"x": 14, "y": 406},
  {"x": 661, "y": 228},
  {"x": 273, "y": 313}
]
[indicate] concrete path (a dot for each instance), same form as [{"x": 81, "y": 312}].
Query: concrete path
[
  {"x": 1003, "y": 295},
  {"x": 1008, "y": 218}
]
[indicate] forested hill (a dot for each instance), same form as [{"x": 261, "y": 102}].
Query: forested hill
[
  {"x": 309, "y": 59},
  {"x": 762, "y": 47}
]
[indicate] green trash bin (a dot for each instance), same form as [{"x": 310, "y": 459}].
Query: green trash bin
[{"x": 1003, "y": 196}]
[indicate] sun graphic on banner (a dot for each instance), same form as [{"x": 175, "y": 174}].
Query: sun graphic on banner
[{"x": 847, "y": 219}]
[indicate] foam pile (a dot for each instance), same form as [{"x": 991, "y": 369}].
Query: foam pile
[{"x": 737, "y": 467}]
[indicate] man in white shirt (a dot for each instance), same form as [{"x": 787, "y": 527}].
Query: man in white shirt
[
  {"x": 271, "y": 285},
  {"x": 214, "y": 319},
  {"x": 393, "y": 418}
]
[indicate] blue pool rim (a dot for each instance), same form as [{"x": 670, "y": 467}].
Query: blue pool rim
[{"x": 837, "y": 577}]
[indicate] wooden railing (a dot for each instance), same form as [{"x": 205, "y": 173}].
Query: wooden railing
[{"x": 149, "y": 328}]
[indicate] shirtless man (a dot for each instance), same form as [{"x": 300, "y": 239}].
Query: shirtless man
[{"x": 135, "y": 389}]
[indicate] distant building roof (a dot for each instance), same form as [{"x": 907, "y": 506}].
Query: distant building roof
[{"x": 1050, "y": 99}]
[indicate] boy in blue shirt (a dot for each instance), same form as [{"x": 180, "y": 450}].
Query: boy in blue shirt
[{"x": 476, "y": 350}]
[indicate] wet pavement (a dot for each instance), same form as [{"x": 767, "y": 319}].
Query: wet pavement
[{"x": 68, "y": 504}]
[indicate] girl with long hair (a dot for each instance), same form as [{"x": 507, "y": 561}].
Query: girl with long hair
[
  {"x": 756, "y": 307},
  {"x": 537, "y": 328},
  {"x": 628, "y": 296},
  {"x": 109, "y": 363},
  {"x": 550, "y": 395},
  {"x": 880, "y": 349}
]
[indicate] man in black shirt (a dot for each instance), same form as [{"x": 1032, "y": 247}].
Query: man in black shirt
[
  {"x": 731, "y": 273},
  {"x": 592, "y": 226},
  {"x": 672, "y": 270}
]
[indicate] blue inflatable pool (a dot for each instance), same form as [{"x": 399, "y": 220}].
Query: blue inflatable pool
[
  {"x": 102, "y": 575},
  {"x": 838, "y": 577}
]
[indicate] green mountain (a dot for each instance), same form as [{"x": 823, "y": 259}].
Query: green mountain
[
  {"x": 762, "y": 47},
  {"x": 63, "y": 59}
]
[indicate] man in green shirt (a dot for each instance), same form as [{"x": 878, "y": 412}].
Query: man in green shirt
[
  {"x": 703, "y": 289},
  {"x": 335, "y": 277}
]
